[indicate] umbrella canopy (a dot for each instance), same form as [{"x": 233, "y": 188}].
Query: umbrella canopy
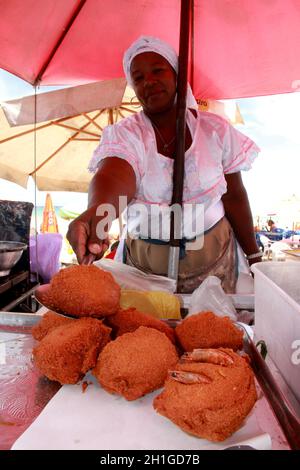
[
  {"x": 241, "y": 48},
  {"x": 66, "y": 102},
  {"x": 69, "y": 126},
  {"x": 57, "y": 152}
]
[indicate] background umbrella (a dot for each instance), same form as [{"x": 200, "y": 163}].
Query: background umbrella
[
  {"x": 69, "y": 126},
  {"x": 56, "y": 152},
  {"x": 49, "y": 223}
]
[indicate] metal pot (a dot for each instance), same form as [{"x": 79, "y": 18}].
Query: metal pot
[{"x": 10, "y": 253}]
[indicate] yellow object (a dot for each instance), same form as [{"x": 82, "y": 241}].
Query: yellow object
[
  {"x": 156, "y": 303},
  {"x": 49, "y": 223}
]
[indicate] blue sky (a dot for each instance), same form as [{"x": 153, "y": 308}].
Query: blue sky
[{"x": 273, "y": 122}]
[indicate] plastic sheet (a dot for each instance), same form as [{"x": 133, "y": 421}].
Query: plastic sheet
[
  {"x": 45, "y": 250},
  {"x": 129, "y": 277},
  {"x": 209, "y": 296}
]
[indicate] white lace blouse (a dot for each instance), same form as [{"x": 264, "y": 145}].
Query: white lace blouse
[{"x": 217, "y": 148}]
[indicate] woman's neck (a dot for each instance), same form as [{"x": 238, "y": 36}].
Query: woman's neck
[{"x": 163, "y": 119}]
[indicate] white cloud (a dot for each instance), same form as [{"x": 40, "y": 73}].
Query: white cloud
[
  {"x": 273, "y": 122},
  {"x": 277, "y": 115}
]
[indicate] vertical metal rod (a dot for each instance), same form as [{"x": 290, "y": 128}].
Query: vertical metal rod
[
  {"x": 35, "y": 187},
  {"x": 192, "y": 45},
  {"x": 178, "y": 172}
]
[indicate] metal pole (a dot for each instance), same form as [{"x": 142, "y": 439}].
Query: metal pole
[{"x": 178, "y": 173}]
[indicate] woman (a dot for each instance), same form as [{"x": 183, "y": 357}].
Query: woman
[{"x": 135, "y": 160}]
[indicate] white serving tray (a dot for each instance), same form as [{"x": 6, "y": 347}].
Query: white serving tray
[{"x": 97, "y": 420}]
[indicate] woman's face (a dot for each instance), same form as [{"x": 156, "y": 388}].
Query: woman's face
[{"x": 154, "y": 82}]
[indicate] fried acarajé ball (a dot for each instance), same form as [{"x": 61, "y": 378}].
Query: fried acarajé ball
[
  {"x": 135, "y": 363},
  {"x": 48, "y": 322},
  {"x": 207, "y": 330},
  {"x": 85, "y": 291},
  {"x": 70, "y": 350},
  {"x": 209, "y": 399},
  {"x": 130, "y": 319}
]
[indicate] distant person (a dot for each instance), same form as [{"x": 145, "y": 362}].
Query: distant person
[
  {"x": 259, "y": 242},
  {"x": 271, "y": 226}
]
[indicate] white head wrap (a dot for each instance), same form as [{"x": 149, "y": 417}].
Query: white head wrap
[{"x": 153, "y": 44}]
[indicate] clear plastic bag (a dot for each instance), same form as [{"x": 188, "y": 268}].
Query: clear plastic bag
[
  {"x": 129, "y": 277},
  {"x": 209, "y": 296}
]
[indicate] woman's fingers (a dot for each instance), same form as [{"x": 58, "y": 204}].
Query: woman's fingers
[
  {"x": 88, "y": 259},
  {"x": 94, "y": 243},
  {"x": 98, "y": 249},
  {"x": 77, "y": 236},
  {"x": 83, "y": 238},
  {"x": 94, "y": 247}
]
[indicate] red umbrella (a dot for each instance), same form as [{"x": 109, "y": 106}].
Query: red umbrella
[{"x": 241, "y": 48}]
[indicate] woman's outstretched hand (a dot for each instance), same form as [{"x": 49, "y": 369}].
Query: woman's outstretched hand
[{"x": 83, "y": 237}]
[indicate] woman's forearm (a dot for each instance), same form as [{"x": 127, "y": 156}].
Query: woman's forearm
[
  {"x": 88, "y": 233},
  {"x": 238, "y": 212},
  {"x": 114, "y": 178}
]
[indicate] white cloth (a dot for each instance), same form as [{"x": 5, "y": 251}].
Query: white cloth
[
  {"x": 153, "y": 44},
  {"x": 217, "y": 148},
  {"x": 149, "y": 44}
]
